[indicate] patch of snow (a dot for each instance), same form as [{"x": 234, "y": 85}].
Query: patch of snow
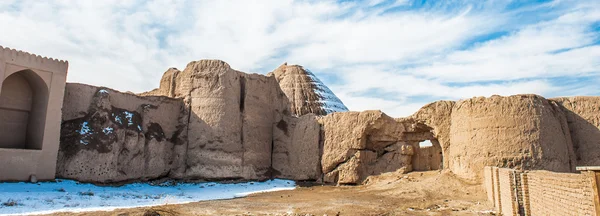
[
  {"x": 72, "y": 196},
  {"x": 139, "y": 128},
  {"x": 329, "y": 102},
  {"x": 85, "y": 129},
  {"x": 129, "y": 117},
  {"x": 102, "y": 91},
  {"x": 108, "y": 130},
  {"x": 117, "y": 119}
]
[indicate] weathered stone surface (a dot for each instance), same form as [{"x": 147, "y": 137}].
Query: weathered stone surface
[
  {"x": 167, "y": 85},
  {"x": 359, "y": 144},
  {"x": 521, "y": 131},
  {"x": 235, "y": 113},
  {"x": 306, "y": 93},
  {"x": 437, "y": 115},
  {"x": 108, "y": 136},
  {"x": 296, "y": 149},
  {"x": 583, "y": 117}
]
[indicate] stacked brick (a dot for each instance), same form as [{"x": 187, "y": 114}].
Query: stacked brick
[
  {"x": 540, "y": 192},
  {"x": 551, "y": 193},
  {"x": 508, "y": 197}
]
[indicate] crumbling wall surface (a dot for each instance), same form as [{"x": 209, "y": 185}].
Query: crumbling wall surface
[
  {"x": 167, "y": 85},
  {"x": 488, "y": 183},
  {"x": 521, "y": 131},
  {"x": 231, "y": 120},
  {"x": 296, "y": 149},
  {"x": 437, "y": 115},
  {"x": 360, "y": 144},
  {"x": 506, "y": 181},
  {"x": 427, "y": 158},
  {"x": 109, "y": 136},
  {"x": 541, "y": 192},
  {"x": 306, "y": 93},
  {"x": 551, "y": 193},
  {"x": 583, "y": 116}
]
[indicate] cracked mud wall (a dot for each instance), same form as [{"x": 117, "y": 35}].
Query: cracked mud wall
[
  {"x": 583, "y": 118},
  {"x": 108, "y": 136},
  {"x": 521, "y": 131},
  {"x": 359, "y": 144}
]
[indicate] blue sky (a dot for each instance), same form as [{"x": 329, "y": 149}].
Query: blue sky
[{"x": 393, "y": 55}]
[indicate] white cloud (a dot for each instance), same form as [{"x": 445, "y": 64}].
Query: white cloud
[{"x": 389, "y": 60}]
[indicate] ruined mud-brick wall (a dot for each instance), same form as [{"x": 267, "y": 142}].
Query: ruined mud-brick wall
[
  {"x": 488, "y": 182},
  {"x": 583, "y": 117},
  {"x": 306, "y": 93},
  {"x": 109, "y": 136},
  {"x": 207, "y": 122},
  {"x": 437, "y": 115},
  {"x": 521, "y": 131},
  {"x": 240, "y": 125},
  {"x": 360, "y": 144},
  {"x": 296, "y": 148},
  {"x": 506, "y": 181},
  {"x": 541, "y": 192},
  {"x": 427, "y": 158},
  {"x": 551, "y": 193}
]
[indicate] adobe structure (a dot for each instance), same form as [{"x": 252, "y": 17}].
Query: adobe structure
[
  {"x": 211, "y": 122},
  {"x": 31, "y": 97}
]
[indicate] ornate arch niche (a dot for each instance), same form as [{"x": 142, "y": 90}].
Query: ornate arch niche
[{"x": 23, "y": 106}]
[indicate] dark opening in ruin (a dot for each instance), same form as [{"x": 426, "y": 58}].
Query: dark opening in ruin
[{"x": 23, "y": 104}]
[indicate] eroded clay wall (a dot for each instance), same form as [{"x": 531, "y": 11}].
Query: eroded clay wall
[
  {"x": 427, "y": 158},
  {"x": 583, "y": 117},
  {"x": 109, "y": 136},
  {"x": 488, "y": 183},
  {"x": 521, "y": 131},
  {"x": 296, "y": 148},
  {"x": 359, "y": 144}
]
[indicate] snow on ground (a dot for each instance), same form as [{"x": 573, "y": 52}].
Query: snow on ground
[{"x": 67, "y": 195}]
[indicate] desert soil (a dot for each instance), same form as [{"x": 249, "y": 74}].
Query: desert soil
[{"x": 415, "y": 193}]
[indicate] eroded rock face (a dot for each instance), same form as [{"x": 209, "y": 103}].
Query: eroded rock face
[
  {"x": 108, "y": 136},
  {"x": 359, "y": 144},
  {"x": 521, "y": 131},
  {"x": 583, "y": 117},
  {"x": 236, "y": 113},
  {"x": 306, "y": 93},
  {"x": 296, "y": 148},
  {"x": 437, "y": 115}
]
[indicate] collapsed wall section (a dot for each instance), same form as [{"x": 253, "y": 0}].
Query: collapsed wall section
[{"x": 360, "y": 144}]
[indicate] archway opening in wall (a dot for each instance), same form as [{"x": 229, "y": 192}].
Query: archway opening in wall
[
  {"x": 23, "y": 106},
  {"x": 428, "y": 156}
]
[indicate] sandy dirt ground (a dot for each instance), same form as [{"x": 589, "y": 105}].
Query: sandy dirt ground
[{"x": 415, "y": 193}]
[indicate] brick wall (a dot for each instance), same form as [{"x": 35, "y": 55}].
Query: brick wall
[
  {"x": 540, "y": 192},
  {"x": 551, "y": 193},
  {"x": 508, "y": 198},
  {"x": 488, "y": 183}
]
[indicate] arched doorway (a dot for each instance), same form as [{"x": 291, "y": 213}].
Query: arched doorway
[{"x": 23, "y": 105}]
